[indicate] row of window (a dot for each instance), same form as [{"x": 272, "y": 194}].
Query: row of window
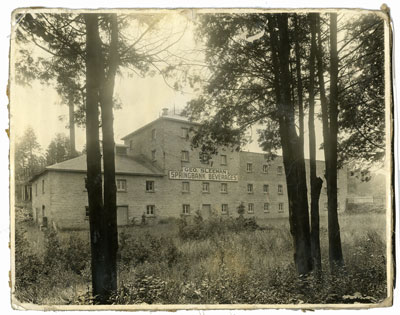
[
  {"x": 224, "y": 208},
  {"x": 265, "y": 169}
]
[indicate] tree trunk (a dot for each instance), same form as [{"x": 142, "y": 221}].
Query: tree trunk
[
  {"x": 335, "y": 246},
  {"x": 299, "y": 83},
  {"x": 98, "y": 240},
  {"x": 110, "y": 189},
  {"x": 292, "y": 154},
  {"x": 315, "y": 182},
  {"x": 72, "y": 151}
]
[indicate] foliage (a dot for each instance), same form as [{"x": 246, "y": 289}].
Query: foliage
[
  {"x": 58, "y": 150},
  {"x": 214, "y": 226},
  {"x": 362, "y": 91},
  {"x": 28, "y": 158}
]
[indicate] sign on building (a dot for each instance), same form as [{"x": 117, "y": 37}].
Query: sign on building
[{"x": 202, "y": 173}]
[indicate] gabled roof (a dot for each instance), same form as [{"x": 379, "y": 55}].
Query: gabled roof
[{"x": 124, "y": 164}]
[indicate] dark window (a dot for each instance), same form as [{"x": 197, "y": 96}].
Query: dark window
[
  {"x": 150, "y": 210},
  {"x": 149, "y": 186},
  {"x": 250, "y": 188},
  {"x": 186, "y": 209},
  {"x": 42, "y": 186},
  {"x": 250, "y": 208}
]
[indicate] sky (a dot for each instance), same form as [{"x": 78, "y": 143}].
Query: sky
[{"x": 142, "y": 99}]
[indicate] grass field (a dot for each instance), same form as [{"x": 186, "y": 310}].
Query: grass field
[{"x": 158, "y": 265}]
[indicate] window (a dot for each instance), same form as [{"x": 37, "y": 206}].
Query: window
[
  {"x": 131, "y": 144},
  {"x": 250, "y": 188},
  {"x": 265, "y": 169},
  {"x": 249, "y": 167},
  {"x": 35, "y": 189},
  {"x": 42, "y": 186},
  {"x": 224, "y": 160},
  {"x": 250, "y": 208},
  {"x": 280, "y": 207},
  {"x": 185, "y": 187},
  {"x": 266, "y": 189},
  {"x": 149, "y": 186},
  {"x": 153, "y": 134},
  {"x": 204, "y": 157},
  {"x": 224, "y": 208},
  {"x": 206, "y": 187},
  {"x": 185, "y": 156},
  {"x": 121, "y": 184},
  {"x": 280, "y": 189},
  {"x": 224, "y": 188},
  {"x": 325, "y": 190},
  {"x": 280, "y": 170},
  {"x": 86, "y": 213},
  {"x": 150, "y": 210},
  {"x": 153, "y": 155},
  {"x": 184, "y": 133},
  {"x": 186, "y": 209},
  {"x": 266, "y": 207}
]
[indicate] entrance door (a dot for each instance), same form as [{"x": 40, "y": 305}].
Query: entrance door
[
  {"x": 122, "y": 215},
  {"x": 205, "y": 211}
]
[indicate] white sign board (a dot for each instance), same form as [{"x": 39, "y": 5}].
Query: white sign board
[{"x": 205, "y": 174}]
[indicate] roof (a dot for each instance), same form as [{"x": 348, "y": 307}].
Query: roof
[
  {"x": 176, "y": 118},
  {"x": 124, "y": 164}
]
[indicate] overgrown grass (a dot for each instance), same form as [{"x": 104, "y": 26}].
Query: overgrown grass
[{"x": 215, "y": 262}]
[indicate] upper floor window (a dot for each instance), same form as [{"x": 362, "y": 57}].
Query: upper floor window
[
  {"x": 250, "y": 208},
  {"x": 121, "y": 184},
  {"x": 86, "y": 213},
  {"x": 280, "y": 170},
  {"x": 206, "y": 187},
  {"x": 280, "y": 207},
  {"x": 185, "y": 186},
  {"x": 153, "y": 134},
  {"x": 149, "y": 186},
  {"x": 224, "y": 188},
  {"x": 266, "y": 207},
  {"x": 185, "y": 132},
  {"x": 150, "y": 210},
  {"x": 265, "y": 168},
  {"x": 204, "y": 157},
  {"x": 153, "y": 155},
  {"x": 250, "y": 188},
  {"x": 35, "y": 189},
  {"x": 266, "y": 189},
  {"x": 224, "y": 160},
  {"x": 185, "y": 156},
  {"x": 42, "y": 186},
  {"x": 280, "y": 189},
  {"x": 249, "y": 167},
  {"x": 224, "y": 208}
]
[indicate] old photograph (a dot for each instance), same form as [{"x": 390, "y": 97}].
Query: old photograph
[{"x": 201, "y": 159}]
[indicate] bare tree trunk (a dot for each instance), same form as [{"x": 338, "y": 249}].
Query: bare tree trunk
[
  {"x": 94, "y": 177},
  {"x": 110, "y": 189},
  {"x": 72, "y": 151},
  {"x": 292, "y": 154},
  {"x": 299, "y": 83},
  {"x": 335, "y": 246},
  {"x": 315, "y": 182}
]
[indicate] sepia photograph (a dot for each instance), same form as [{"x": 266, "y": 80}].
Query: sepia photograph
[{"x": 165, "y": 159}]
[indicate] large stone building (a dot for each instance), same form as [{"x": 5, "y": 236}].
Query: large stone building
[{"x": 158, "y": 175}]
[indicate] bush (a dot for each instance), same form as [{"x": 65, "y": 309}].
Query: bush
[{"x": 146, "y": 248}]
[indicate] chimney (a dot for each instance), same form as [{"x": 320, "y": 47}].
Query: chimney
[{"x": 165, "y": 111}]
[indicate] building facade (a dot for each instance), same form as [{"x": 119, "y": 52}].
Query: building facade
[{"x": 159, "y": 175}]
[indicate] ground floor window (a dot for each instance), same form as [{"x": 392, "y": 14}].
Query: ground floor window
[
  {"x": 280, "y": 207},
  {"x": 186, "y": 209},
  {"x": 86, "y": 213},
  {"x": 250, "y": 208},
  {"x": 150, "y": 210},
  {"x": 224, "y": 208}
]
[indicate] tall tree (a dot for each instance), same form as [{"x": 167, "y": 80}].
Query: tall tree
[
  {"x": 315, "y": 182},
  {"x": 250, "y": 82}
]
